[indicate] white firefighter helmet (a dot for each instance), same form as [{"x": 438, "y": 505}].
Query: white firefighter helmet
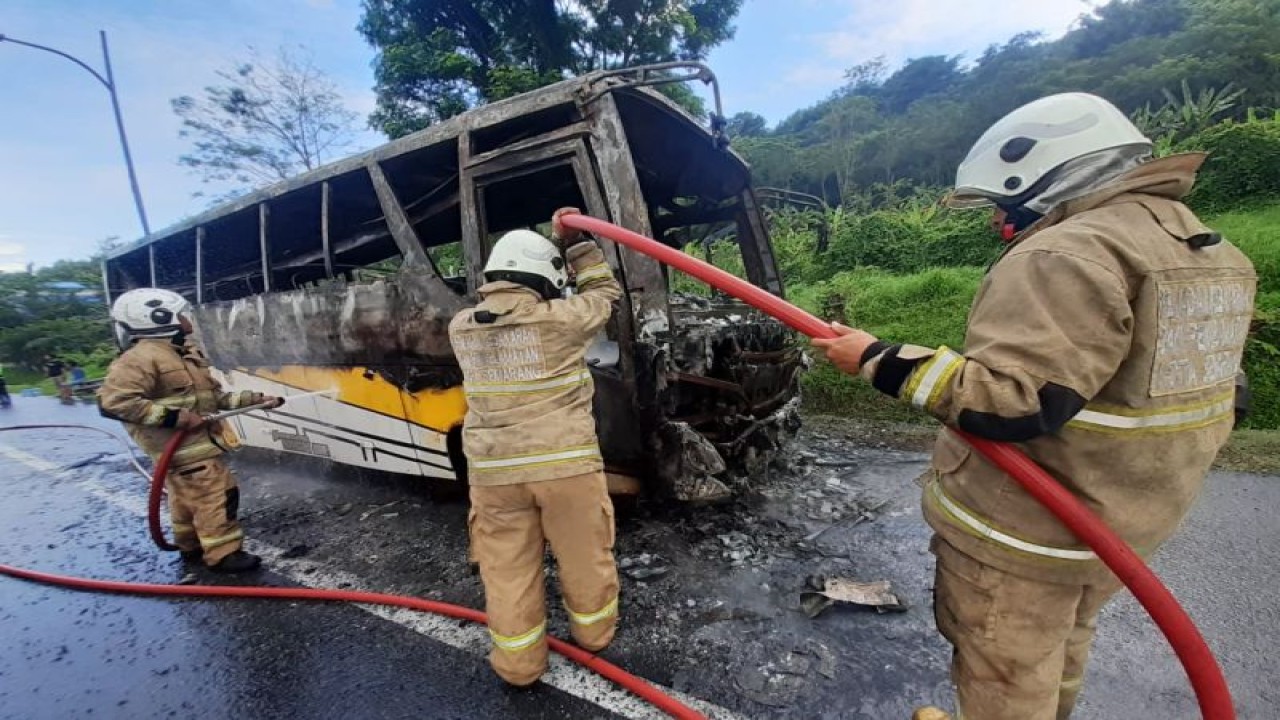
[
  {"x": 149, "y": 312},
  {"x": 1015, "y": 158},
  {"x": 523, "y": 253}
]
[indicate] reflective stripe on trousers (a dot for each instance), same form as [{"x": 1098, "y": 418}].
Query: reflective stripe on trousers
[
  {"x": 609, "y": 610},
  {"x": 210, "y": 543},
  {"x": 975, "y": 525},
  {"x": 516, "y": 643}
]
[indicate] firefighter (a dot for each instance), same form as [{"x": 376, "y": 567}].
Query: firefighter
[
  {"x": 1106, "y": 340},
  {"x": 160, "y": 383},
  {"x": 534, "y": 463}
]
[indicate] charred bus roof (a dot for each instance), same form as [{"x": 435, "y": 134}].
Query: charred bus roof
[{"x": 419, "y": 165}]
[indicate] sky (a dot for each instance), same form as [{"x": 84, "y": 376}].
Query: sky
[{"x": 63, "y": 183}]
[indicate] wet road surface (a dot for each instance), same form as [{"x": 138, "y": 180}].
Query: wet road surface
[{"x": 710, "y": 601}]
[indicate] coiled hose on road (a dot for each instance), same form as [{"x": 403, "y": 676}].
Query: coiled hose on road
[
  {"x": 632, "y": 683},
  {"x": 1202, "y": 667}
]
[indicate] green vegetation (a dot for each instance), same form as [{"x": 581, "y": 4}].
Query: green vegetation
[
  {"x": 929, "y": 307},
  {"x": 1181, "y": 66},
  {"x": 1194, "y": 74},
  {"x": 40, "y": 315},
  {"x": 438, "y": 58}
]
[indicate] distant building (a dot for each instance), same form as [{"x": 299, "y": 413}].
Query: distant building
[{"x": 72, "y": 289}]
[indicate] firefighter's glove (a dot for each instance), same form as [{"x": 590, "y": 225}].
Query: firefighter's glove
[
  {"x": 561, "y": 235},
  {"x": 847, "y": 351},
  {"x": 188, "y": 420}
]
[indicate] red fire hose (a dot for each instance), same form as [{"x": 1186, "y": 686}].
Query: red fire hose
[
  {"x": 1202, "y": 668},
  {"x": 636, "y": 685},
  {"x": 158, "y": 474},
  {"x": 632, "y": 683}
]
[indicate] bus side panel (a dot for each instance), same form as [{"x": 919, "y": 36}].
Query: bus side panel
[{"x": 361, "y": 420}]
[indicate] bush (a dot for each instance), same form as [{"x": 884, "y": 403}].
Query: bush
[
  {"x": 912, "y": 239},
  {"x": 1243, "y": 166},
  {"x": 28, "y": 344}
]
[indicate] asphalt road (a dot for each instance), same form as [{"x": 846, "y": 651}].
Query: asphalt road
[{"x": 710, "y": 598}]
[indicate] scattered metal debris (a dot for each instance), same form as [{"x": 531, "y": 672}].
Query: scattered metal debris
[
  {"x": 823, "y": 592},
  {"x": 643, "y": 567},
  {"x": 365, "y": 515}
]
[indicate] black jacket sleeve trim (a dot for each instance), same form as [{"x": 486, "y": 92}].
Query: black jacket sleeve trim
[
  {"x": 170, "y": 418},
  {"x": 1058, "y": 404},
  {"x": 873, "y": 350},
  {"x": 892, "y": 371}
]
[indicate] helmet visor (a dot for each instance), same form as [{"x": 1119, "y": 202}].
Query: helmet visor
[{"x": 967, "y": 199}]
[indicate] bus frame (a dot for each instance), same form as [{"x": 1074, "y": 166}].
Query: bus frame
[{"x": 297, "y": 287}]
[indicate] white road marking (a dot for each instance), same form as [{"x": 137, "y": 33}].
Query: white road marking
[{"x": 563, "y": 675}]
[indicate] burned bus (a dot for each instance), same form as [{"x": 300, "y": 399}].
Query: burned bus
[{"x": 345, "y": 279}]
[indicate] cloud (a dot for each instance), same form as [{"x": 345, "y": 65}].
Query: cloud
[
  {"x": 65, "y": 183},
  {"x": 812, "y": 74},
  {"x": 9, "y": 248},
  {"x": 912, "y": 28}
]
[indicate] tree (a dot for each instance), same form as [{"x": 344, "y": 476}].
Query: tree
[
  {"x": 39, "y": 316},
  {"x": 747, "y": 124},
  {"x": 917, "y": 79},
  {"x": 267, "y": 122},
  {"x": 438, "y": 58}
]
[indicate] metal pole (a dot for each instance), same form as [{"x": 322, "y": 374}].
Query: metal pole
[
  {"x": 110, "y": 84},
  {"x": 200, "y": 265},
  {"x": 325, "y": 242},
  {"x": 124, "y": 140}
]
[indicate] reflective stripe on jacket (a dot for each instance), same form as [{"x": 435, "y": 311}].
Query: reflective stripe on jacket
[
  {"x": 529, "y": 391},
  {"x": 1106, "y": 340},
  {"x": 150, "y": 382}
]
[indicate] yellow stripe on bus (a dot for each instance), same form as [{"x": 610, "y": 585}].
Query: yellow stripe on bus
[{"x": 440, "y": 410}]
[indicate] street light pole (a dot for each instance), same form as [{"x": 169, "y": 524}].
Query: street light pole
[
  {"x": 109, "y": 83},
  {"x": 124, "y": 141}
]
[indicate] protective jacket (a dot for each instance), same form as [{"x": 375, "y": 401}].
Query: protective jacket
[
  {"x": 151, "y": 381},
  {"x": 527, "y": 384},
  {"x": 1106, "y": 340}
]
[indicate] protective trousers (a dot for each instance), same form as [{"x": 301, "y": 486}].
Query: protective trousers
[
  {"x": 1020, "y": 645},
  {"x": 203, "y": 502},
  {"x": 510, "y": 526}
]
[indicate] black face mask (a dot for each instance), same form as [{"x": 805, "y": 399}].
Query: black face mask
[{"x": 1017, "y": 219}]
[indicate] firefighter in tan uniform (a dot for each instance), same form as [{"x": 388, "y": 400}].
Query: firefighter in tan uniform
[
  {"x": 534, "y": 462},
  {"x": 160, "y": 383},
  {"x": 1106, "y": 341}
]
